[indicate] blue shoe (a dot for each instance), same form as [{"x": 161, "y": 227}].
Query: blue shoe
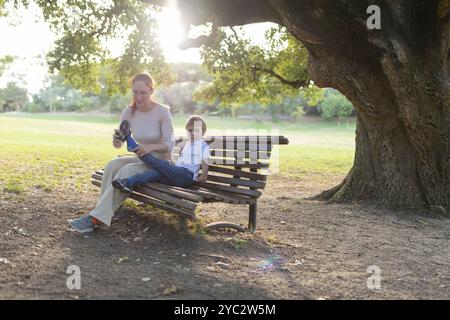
[
  {"x": 132, "y": 145},
  {"x": 122, "y": 185},
  {"x": 83, "y": 224},
  {"x": 125, "y": 133}
]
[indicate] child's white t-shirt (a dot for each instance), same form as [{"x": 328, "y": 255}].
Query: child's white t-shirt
[{"x": 192, "y": 155}]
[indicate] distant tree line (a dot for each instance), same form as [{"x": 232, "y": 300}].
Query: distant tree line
[{"x": 58, "y": 96}]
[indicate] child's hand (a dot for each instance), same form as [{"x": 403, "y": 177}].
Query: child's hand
[{"x": 202, "y": 178}]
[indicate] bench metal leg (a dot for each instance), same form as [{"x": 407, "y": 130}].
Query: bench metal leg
[
  {"x": 183, "y": 224},
  {"x": 252, "y": 210},
  {"x": 252, "y": 217}
]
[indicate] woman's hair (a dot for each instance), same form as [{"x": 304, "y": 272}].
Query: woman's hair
[
  {"x": 191, "y": 121},
  {"x": 147, "y": 79}
]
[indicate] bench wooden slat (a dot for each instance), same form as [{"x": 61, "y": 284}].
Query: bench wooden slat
[
  {"x": 214, "y": 186},
  {"x": 236, "y": 199},
  {"x": 159, "y": 195},
  {"x": 184, "y": 194},
  {"x": 155, "y": 202},
  {"x": 263, "y": 155},
  {"x": 233, "y": 154},
  {"x": 274, "y": 140},
  {"x": 238, "y": 173},
  {"x": 218, "y": 192},
  {"x": 243, "y": 164},
  {"x": 219, "y": 169},
  {"x": 96, "y": 176},
  {"x": 237, "y": 181},
  {"x": 240, "y": 162},
  {"x": 167, "y": 198},
  {"x": 215, "y": 195},
  {"x": 261, "y": 147},
  {"x": 163, "y": 206},
  {"x": 222, "y": 196},
  {"x": 204, "y": 195}
]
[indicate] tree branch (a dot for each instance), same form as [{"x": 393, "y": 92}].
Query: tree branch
[
  {"x": 199, "y": 41},
  {"x": 229, "y": 13},
  {"x": 293, "y": 83},
  {"x": 221, "y": 13},
  {"x": 230, "y": 91}
]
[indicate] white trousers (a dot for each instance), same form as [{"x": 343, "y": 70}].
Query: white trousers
[{"x": 111, "y": 198}]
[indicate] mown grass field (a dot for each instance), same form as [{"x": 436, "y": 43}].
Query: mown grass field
[{"x": 49, "y": 151}]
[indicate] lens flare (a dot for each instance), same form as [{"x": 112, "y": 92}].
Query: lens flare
[{"x": 269, "y": 263}]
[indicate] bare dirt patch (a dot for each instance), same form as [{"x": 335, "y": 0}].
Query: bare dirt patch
[{"x": 302, "y": 249}]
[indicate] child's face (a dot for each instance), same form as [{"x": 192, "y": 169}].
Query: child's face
[{"x": 194, "y": 132}]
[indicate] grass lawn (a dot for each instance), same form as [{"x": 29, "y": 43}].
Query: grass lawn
[{"x": 60, "y": 151}]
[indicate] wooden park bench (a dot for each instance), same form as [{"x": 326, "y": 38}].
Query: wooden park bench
[{"x": 235, "y": 177}]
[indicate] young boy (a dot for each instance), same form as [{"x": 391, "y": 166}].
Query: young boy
[{"x": 183, "y": 173}]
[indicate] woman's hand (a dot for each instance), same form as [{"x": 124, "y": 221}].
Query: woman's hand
[
  {"x": 116, "y": 142},
  {"x": 144, "y": 149}
]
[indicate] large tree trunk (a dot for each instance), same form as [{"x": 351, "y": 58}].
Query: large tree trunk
[
  {"x": 398, "y": 81},
  {"x": 402, "y": 141}
]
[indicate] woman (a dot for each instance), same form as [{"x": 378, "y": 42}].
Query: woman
[{"x": 152, "y": 128}]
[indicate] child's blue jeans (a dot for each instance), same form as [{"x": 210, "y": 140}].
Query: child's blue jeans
[{"x": 161, "y": 171}]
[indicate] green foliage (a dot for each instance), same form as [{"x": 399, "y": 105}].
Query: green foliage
[
  {"x": 241, "y": 71},
  {"x": 189, "y": 72},
  {"x": 238, "y": 78},
  {"x": 81, "y": 53},
  {"x": 13, "y": 98},
  {"x": 298, "y": 113},
  {"x": 246, "y": 73},
  {"x": 59, "y": 96},
  {"x": 4, "y": 61},
  {"x": 335, "y": 105},
  {"x": 3, "y": 11},
  {"x": 179, "y": 95}
]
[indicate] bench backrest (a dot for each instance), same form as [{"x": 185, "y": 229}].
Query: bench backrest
[{"x": 236, "y": 162}]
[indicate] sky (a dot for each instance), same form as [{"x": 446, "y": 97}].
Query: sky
[{"x": 25, "y": 35}]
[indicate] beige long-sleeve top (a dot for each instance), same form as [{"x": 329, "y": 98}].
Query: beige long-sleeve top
[{"x": 154, "y": 126}]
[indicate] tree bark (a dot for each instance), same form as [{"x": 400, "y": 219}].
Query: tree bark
[{"x": 397, "y": 79}]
